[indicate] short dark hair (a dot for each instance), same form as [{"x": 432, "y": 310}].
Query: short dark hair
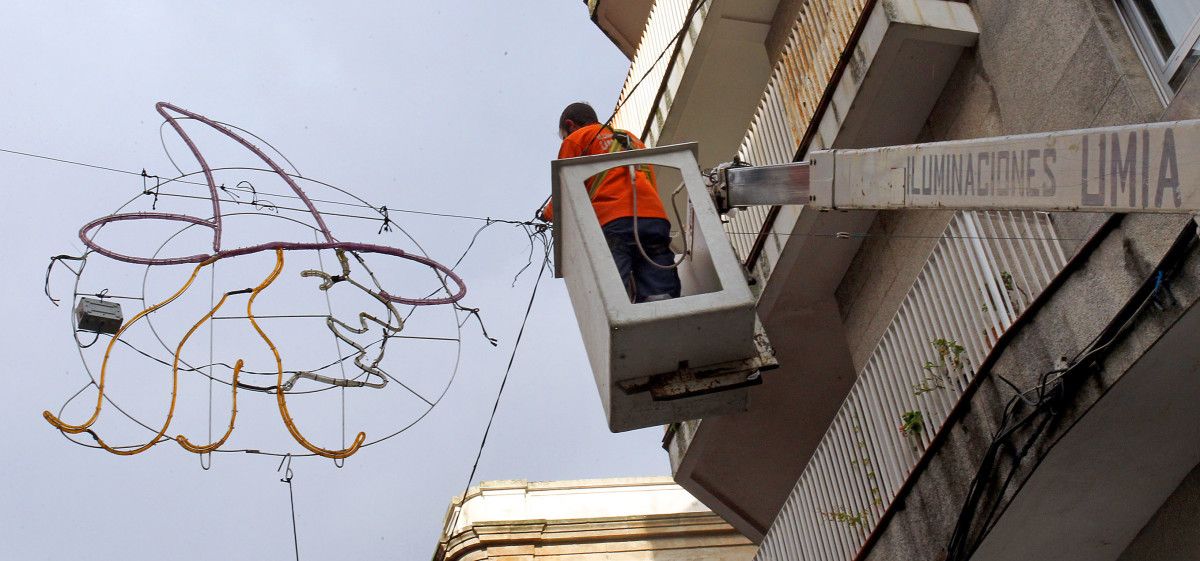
[{"x": 579, "y": 113}]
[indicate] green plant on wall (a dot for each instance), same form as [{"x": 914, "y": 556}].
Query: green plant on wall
[
  {"x": 912, "y": 423},
  {"x": 850, "y": 516},
  {"x": 1010, "y": 285},
  {"x": 1007, "y": 280},
  {"x": 853, "y": 520},
  {"x": 949, "y": 353}
]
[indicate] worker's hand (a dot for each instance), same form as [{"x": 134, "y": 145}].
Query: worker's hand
[{"x": 540, "y": 213}]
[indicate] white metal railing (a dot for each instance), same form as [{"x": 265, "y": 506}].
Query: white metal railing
[
  {"x": 982, "y": 274},
  {"x": 790, "y": 102},
  {"x": 637, "y": 107}
]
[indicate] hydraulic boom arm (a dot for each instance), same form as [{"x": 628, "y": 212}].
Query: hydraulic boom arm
[{"x": 1151, "y": 167}]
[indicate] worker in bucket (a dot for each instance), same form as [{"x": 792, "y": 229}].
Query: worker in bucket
[{"x": 630, "y": 212}]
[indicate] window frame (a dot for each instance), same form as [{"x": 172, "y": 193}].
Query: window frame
[{"x": 1161, "y": 69}]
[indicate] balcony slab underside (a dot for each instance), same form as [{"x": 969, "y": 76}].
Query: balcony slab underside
[
  {"x": 1120, "y": 443},
  {"x": 715, "y": 96},
  {"x": 623, "y": 22},
  {"x": 1105, "y": 478}
]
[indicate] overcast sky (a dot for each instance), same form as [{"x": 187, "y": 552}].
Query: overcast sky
[{"x": 441, "y": 106}]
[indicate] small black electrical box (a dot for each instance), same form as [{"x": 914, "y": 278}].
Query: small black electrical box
[{"x": 98, "y": 316}]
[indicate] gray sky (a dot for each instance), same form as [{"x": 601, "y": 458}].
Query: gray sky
[{"x": 442, "y": 106}]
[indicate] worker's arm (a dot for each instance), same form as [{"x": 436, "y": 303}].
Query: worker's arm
[{"x": 569, "y": 149}]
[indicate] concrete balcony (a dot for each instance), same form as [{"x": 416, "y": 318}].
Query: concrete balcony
[
  {"x": 706, "y": 86},
  {"x": 744, "y": 466},
  {"x": 621, "y": 20},
  {"x": 1104, "y": 470}
]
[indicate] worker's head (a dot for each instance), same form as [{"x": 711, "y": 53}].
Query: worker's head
[{"x": 576, "y": 115}]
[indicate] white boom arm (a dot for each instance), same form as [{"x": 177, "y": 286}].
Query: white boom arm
[{"x": 1151, "y": 167}]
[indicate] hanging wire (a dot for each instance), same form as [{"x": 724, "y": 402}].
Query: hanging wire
[
  {"x": 340, "y": 462},
  {"x": 504, "y": 379},
  {"x": 1043, "y": 403},
  {"x": 287, "y": 478},
  {"x": 212, "y": 335},
  {"x": 62, "y": 259},
  {"x": 181, "y": 178}
]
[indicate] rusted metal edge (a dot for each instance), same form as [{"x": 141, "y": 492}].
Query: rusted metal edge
[{"x": 811, "y": 131}]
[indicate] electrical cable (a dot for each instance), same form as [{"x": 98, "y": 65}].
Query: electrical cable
[
  {"x": 504, "y": 379},
  {"x": 694, "y": 9},
  {"x": 1045, "y": 400},
  {"x": 637, "y": 240},
  {"x": 287, "y": 478},
  {"x": 180, "y": 179}
]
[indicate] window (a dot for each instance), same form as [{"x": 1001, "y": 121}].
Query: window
[{"x": 1167, "y": 31}]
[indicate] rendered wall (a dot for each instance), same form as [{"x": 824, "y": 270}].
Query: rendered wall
[
  {"x": 1173, "y": 533},
  {"x": 1040, "y": 65}
]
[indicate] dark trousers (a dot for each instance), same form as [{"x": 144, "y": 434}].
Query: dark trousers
[{"x": 643, "y": 281}]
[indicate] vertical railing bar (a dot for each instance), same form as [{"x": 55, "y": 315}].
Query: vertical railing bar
[
  {"x": 970, "y": 295},
  {"x": 934, "y": 406},
  {"x": 872, "y": 453},
  {"x": 954, "y": 309},
  {"x": 1062, "y": 256},
  {"x": 974, "y": 257},
  {"x": 849, "y": 453},
  {"x": 928, "y": 327},
  {"x": 1012, "y": 263},
  {"x": 896, "y": 397},
  {"x": 1033, "y": 246},
  {"x": 874, "y": 407},
  {"x": 992, "y": 272},
  {"x": 962, "y": 312}
]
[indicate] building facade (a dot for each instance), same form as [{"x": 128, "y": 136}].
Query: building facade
[
  {"x": 634, "y": 519},
  {"x": 952, "y": 384}
]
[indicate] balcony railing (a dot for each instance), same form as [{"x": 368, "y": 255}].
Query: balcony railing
[
  {"x": 789, "y": 104},
  {"x": 984, "y": 272},
  {"x": 643, "y": 110}
]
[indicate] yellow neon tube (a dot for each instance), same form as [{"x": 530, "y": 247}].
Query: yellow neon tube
[
  {"x": 237, "y": 369},
  {"x": 76, "y": 429},
  {"x": 283, "y": 410}
]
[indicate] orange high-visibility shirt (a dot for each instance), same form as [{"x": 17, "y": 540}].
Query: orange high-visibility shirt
[{"x": 613, "y": 197}]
